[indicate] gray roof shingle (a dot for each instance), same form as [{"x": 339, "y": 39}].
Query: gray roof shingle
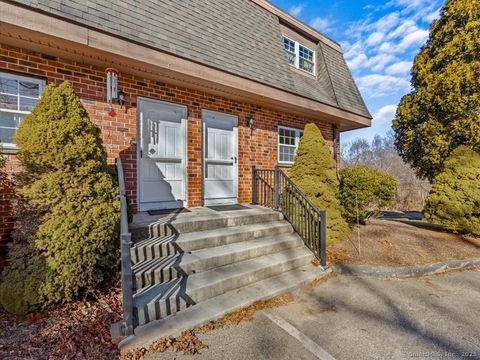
[{"x": 236, "y": 36}]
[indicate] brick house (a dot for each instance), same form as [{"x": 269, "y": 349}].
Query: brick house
[{"x": 212, "y": 88}]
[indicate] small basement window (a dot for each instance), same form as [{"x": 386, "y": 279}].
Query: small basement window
[
  {"x": 18, "y": 96},
  {"x": 299, "y": 55},
  {"x": 288, "y": 140}
]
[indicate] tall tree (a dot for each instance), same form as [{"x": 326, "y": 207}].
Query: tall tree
[{"x": 443, "y": 109}]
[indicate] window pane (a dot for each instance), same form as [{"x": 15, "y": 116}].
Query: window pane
[
  {"x": 289, "y": 45},
  {"x": 27, "y": 104},
  {"x": 291, "y": 58},
  {"x": 29, "y": 89},
  {"x": 8, "y": 102},
  {"x": 6, "y": 135},
  {"x": 8, "y": 86},
  {"x": 10, "y": 119},
  {"x": 287, "y": 137},
  {"x": 305, "y": 53},
  {"x": 306, "y": 65},
  {"x": 286, "y": 154}
]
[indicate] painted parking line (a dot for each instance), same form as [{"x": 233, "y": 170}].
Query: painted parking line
[{"x": 307, "y": 343}]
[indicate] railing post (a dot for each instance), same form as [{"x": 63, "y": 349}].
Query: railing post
[
  {"x": 127, "y": 284},
  {"x": 323, "y": 239},
  {"x": 276, "y": 187},
  {"x": 254, "y": 185}
]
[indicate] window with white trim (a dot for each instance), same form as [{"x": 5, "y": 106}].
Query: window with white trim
[
  {"x": 18, "y": 96},
  {"x": 299, "y": 55},
  {"x": 288, "y": 140}
]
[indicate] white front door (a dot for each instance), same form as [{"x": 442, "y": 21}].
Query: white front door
[
  {"x": 220, "y": 158},
  {"x": 161, "y": 155}
]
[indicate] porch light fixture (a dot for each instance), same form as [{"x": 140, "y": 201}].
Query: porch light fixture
[
  {"x": 250, "y": 121},
  {"x": 121, "y": 98}
]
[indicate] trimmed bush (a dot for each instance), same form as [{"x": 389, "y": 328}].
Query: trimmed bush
[
  {"x": 368, "y": 188},
  {"x": 454, "y": 201},
  {"x": 315, "y": 173},
  {"x": 67, "y": 241}
]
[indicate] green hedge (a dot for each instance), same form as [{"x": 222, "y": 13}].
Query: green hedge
[
  {"x": 454, "y": 201},
  {"x": 70, "y": 245},
  {"x": 363, "y": 189}
]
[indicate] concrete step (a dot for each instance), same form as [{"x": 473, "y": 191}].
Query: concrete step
[
  {"x": 161, "y": 269},
  {"x": 216, "y": 307},
  {"x": 181, "y": 243},
  {"x": 161, "y": 300},
  {"x": 209, "y": 220}
]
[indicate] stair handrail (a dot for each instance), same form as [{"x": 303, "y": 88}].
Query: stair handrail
[
  {"x": 306, "y": 219},
  {"x": 126, "y": 261}
]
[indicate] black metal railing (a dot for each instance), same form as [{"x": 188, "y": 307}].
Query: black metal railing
[
  {"x": 125, "y": 246},
  {"x": 274, "y": 189}
]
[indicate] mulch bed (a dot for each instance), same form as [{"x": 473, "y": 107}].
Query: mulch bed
[
  {"x": 396, "y": 243},
  {"x": 79, "y": 330}
]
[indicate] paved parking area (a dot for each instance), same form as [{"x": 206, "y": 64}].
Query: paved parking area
[{"x": 435, "y": 317}]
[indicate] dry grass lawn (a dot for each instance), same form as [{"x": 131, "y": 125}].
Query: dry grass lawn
[{"x": 402, "y": 243}]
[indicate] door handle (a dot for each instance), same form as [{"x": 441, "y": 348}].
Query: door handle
[
  {"x": 234, "y": 158},
  {"x": 141, "y": 154}
]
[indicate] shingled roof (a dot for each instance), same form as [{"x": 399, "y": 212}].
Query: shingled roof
[{"x": 236, "y": 36}]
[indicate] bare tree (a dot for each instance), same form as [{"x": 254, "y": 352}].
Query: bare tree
[{"x": 380, "y": 154}]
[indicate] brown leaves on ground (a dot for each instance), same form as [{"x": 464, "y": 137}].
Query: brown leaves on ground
[
  {"x": 80, "y": 330},
  {"x": 190, "y": 344},
  {"x": 396, "y": 243}
]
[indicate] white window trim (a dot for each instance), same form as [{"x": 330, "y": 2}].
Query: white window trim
[
  {"x": 297, "y": 142},
  {"x": 297, "y": 56},
  {"x": 13, "y": 76}
]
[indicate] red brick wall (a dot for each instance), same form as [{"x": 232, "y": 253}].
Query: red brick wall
[{"x": 119, "y": 133}]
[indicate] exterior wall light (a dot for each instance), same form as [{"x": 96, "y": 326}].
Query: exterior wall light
[
  {"x": 250, "y": 121},
  {"x": 121, "y": 98}
]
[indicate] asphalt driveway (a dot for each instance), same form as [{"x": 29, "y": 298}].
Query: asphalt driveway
[{"x": 435, "y": 317}]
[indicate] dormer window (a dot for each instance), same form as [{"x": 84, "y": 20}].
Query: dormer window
[{"x": 299, "y": 55}]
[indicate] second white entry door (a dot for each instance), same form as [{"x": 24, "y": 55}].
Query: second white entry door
[{"x": 220, "y": 158}]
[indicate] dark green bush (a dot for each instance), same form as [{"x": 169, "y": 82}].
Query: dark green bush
[
  {"x": 315, "y": 173},
  {"x": 366, "y": 189},
  {"x": 70, "y": 242},
  {"x": 454, "y": 201}
]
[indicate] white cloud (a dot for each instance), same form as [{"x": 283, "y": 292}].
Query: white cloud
[
  {"x": 321, "y": 24},
  {"x": 379, "y": 61},
  {"x": 375, "y": 85},
  {"x": 416, "y": 38},
  {"x": 432, "y": 16},
  {"x": 375, "y": 38},
  {"x": 296, "y": 10},
  {"x": 399, "y": 68},
  {"x": 386, "y": 114},
  {"x": 360, "y": 61}
]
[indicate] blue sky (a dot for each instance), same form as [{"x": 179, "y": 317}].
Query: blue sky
[{"x": 379, "y": 39}]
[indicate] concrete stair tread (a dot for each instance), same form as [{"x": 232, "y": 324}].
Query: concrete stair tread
[
  {"x": 183, "y": 243},
  {"x": 199, "y": 235},
  {"x": 208, "y": 258},
  {"x": 189, "y": 285},
  {"x": 207, "y": 219},
  {"x": 216, "y": 307}
]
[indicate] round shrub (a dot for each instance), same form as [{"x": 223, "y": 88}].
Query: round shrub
[
  {"x": 366, "y": 189},
  {"x": 70, "y": 190},
  {"x": 454, "y": 201},
  {"x": 315, "y": 173}
]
